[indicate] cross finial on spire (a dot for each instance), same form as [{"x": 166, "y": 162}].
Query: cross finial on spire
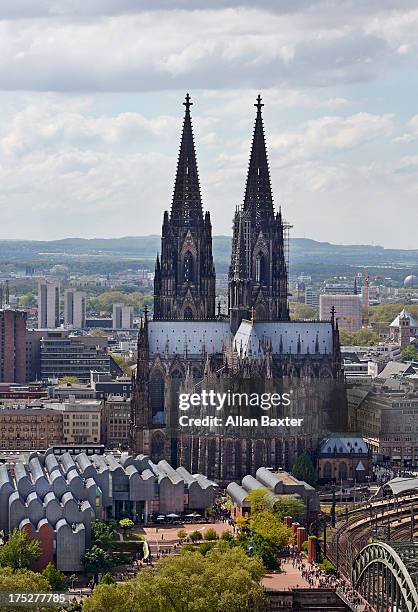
[
  {"x": 259, "y": 104},
  {"x": 187, "y": 103}
]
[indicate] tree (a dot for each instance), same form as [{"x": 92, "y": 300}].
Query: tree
[
  {"x": 73, "y": 580},
  {"x": 286, "y": 505},
  {"x": 20, "y": 552},
  {"x": 126, "y": 524},
  {"x": 362, "y": 337},
  {"x": 266, "y": 551},
  {"x": 181, "y": 534},
  {"x": 303, "y": 469},
  {"x": 302, "y": 311},
  {"x": 102, "y": 533},
  {"x": 55, "y": 578},
  {"x": 258, "y": 499},
  {"x": 195, "y": 536},
  {"x": 96, "y": 560},
  {"x": 107, "y": 579},
  {"x": 122, "y": 363},
  {"x": 241, "y": 522},
  {"x": 68, "y": 380},
  {"x": 190, "y": 581},
  {"x": 210, "y": 534},
  {"x": 22, "y": 581},
  {"x": 269, "y": 526},
  {"x": 409, "y": 353}
]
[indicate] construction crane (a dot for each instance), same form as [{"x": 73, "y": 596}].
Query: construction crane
[{"x": 366, "y": 298}]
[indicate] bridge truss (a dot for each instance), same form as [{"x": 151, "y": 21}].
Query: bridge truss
[{"x": 386, "y": 575}]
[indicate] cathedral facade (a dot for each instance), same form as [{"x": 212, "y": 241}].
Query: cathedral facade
[{"x": 189, "y": 346}]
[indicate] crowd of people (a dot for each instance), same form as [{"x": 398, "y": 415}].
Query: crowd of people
[{"x": 318, "y": 579}]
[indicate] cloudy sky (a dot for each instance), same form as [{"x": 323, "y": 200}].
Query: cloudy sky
[{"x": 91, "y": 96}]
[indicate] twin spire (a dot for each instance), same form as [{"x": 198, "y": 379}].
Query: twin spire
[{"x": 187, "y": 201}]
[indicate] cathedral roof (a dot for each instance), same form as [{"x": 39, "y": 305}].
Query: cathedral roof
[
  {"x": 343, "y": 445},
  {"x": 172, "y": 337},
  {"x": 286, "y": 337},
  {"x": 258, "y": 200},
  {"x": 187, "y": 203}
]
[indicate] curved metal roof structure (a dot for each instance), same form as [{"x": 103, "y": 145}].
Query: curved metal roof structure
[
  {"x": 386, "y": 575},
  {"x": 399, "y": 485}
]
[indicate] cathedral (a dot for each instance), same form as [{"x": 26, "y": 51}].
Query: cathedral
[{"x": 190, "y": 346}]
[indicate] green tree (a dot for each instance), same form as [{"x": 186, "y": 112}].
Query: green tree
[
  {"x": 122, "y": 363},
  {"x": 55, "y": 578},
  {"x": 266, "y": 551},
  {"x": 126, "y": 524},
  {"x": 73, "y": 580},
  {"x": 304, "y": 469},
  {"x": 102, "y": 534},
  {"x": 270, "y": 527},
  {"x": 20, "y": 552},
  {"x": 68, "y": 380},
  {"x": 195, "y": 536},
  {"x": 409, "y": 353},
  {"x": 362, "y": 337},
  {"x": 190, "y": 581},
  {"x": 96, "y": 560},
  {"x": 258, "y": 499},
  {"x": 286, "y": 505},
  {"x": 210, "y": 534},
  {"x": 181, "y": 534},
  {"x": 22, "y": 581},
  {"x": 300, "y": 311},
  {"x": 107, "y": 579}
]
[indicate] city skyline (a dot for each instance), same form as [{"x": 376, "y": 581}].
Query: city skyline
[{"x": 87, "y": 146}]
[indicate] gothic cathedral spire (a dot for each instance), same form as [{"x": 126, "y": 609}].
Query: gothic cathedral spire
[
  {"x": 258, "y": 273},
  {"x": 184, "y": 285}
]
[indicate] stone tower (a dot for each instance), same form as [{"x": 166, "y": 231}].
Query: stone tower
[
  {"x": 184, "y": 284},
  {"x": 258, "y": 273}
]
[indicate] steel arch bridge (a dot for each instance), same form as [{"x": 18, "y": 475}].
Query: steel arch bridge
[{"x": 386, "y": 575}]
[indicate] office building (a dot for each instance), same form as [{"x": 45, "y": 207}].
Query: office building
[
  {"x": 115, "y": 422},
  {"x": 348, "y": 310},
  {"x": 48, "y": 305},
  {"x": 311, "y": 297},
  {"x": 81, "y": 421},
  {"x": 12, "y": 346},
  {"x": 64, "y": 355},
  {"x": 122, "y": 317},
  {"x": 74, "y": 309}
]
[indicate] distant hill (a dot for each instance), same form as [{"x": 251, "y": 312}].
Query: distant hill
[{"x": 306, "y": 255}]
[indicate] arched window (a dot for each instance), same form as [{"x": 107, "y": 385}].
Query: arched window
[
  {"x": 327, "y": 471},
  {"x": 258, "y": 455},
  {"x": 157, "y": 398},
  {"x": 188, "y": 267},
  {"x": 188, "y": 313},
  {"x": 157, "y": 447},
  {"x": 259, "y": 268},
  {"x": 342, "y": 471}
]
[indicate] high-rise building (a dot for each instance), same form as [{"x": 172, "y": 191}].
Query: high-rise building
[
  {"x": 74, "y": 309},
  {"x": 184, "y": 281},
  {"x": 348, "y": 310},
  {"x": 12, "y": 346},
  {"x": 311, "y": 297},
  {"x": 122, "y": 316},
  {"x": 48, "y": 305}
]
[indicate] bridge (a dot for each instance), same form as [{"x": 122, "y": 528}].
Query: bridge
[{"x": 386, "y": 575}]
